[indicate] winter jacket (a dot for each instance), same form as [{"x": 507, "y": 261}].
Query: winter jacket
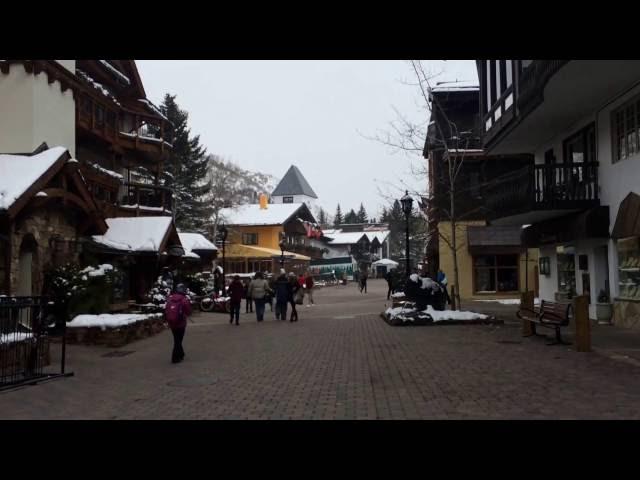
[
  {"x": 294, "y": 290},
  {"x": 258, "y": 288},
  {"x": 283, "y": 289},
  {"x": 309, "y": 282},
  {"x": 236, "y": 291},
  {"x": 301, "y": 281},
  {"x": 186, "y": 309}
]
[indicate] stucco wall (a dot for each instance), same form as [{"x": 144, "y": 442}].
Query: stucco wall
[
  {"x": 268, "y": 237},
  {"x": 34, "y": 111}
]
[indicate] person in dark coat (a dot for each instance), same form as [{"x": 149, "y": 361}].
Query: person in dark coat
[
  {"x": 295, "y": 287},
  {"x": 283, "y": 294},
  {"x": 236, "y": 291},
  {"x": 177, "y": 310},
  {"x": 249, "y": 306},
  {"x": 389, "y": 278}
]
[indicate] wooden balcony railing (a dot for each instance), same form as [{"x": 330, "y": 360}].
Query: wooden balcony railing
[
  {"x": 564, "y": 186},
  {"x": 142, "y": 197}
]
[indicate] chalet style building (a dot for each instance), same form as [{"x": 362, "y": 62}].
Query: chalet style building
[
  {"x": 492, "y": 261},
  {"x": 579, "y": 195},
  {"x": 85, "y": 150},
  {"x": 294, "y": 188}
]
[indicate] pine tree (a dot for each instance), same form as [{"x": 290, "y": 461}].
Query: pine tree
[
  {"x": 338, "y": 218},
  {"x": 362, "y": 215},
  {"x": 186, "y": 170},
  {"x": 322, "y": 217},
  {"x": 351, "y": 217}
]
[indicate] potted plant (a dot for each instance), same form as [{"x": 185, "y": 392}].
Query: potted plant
[{"x": 604, "y": 310}]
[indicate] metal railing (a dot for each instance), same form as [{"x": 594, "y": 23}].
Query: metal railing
[{"x": 26, "y": 326}]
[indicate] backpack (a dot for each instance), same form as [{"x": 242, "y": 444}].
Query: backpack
[{"x": 173, "y": 311}]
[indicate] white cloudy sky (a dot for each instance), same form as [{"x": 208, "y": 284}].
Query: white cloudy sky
[{"x": 267, "y": 115}]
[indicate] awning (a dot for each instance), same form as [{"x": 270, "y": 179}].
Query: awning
[
  {"x": 592, "y": 223},
  {"x": 249, "y": 251},
  {"x": 628, "y": 218},
  {"x": 494, "y": 239}
]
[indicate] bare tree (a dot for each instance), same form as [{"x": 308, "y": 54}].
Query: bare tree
[{"x": 410, "y": 137}]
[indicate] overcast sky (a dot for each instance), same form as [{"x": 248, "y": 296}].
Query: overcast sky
[{"x": 268, "y": 115}]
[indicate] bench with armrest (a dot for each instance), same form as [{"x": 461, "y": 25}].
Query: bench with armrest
[{"x": 553, "y": 315}]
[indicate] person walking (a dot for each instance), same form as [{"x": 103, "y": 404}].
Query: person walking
[
  {"x": 363, "y": 281},
  {"x": 389, "y": 278},
  {"x": 441, "y": 278},
  {"x": 295, "y": 293},
  {"x": 308, "y": 286},
  {"x": 282, "y": 293},
  {"x": 249, "y": 303},
  {"x": 236, "y": 291},
  {"x": 177, "y": 309},
  {"x": 258, "y": 289}
]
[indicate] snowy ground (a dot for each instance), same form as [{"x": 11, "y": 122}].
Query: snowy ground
[{"x": 107, "y": 320}]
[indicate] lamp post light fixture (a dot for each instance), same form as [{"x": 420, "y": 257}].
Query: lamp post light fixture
[
  {"x": 282, "y": 247},
  {"x": 407, "y": 207},
  {"x": 223, "y": 235}
]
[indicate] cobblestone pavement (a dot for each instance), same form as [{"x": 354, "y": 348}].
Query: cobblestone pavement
[{"x": 340, "y": 361}]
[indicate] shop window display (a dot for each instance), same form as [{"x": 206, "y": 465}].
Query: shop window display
[{"x": 629, "y": 268}]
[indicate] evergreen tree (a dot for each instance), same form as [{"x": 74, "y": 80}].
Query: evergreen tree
[
  {"x": 338, "y": 219},
  {"x": 362, "y": 214},
  {"x": 351, "y": 217},
  {"x": 186, "y": 170},
  {"x": 322, "y": 217}
]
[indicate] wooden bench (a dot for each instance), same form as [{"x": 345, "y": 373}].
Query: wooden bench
[{"x": 550, "y": 315}]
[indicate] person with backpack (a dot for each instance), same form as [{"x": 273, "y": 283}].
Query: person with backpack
[
  {"x": 283, "y": 294},
  {"x": 177, "y": 309},
  {"x": 258, "y": 289},
  {"x": 236, "y": 291},
  {"x": 295, "y": 297}
]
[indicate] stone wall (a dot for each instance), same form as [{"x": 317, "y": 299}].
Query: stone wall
[
  {"x": 43, "y": 225},
  {"x": 118, "y": 336}
]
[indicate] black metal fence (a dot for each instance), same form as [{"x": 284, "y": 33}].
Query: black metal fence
[{"x": 27, "y": 325}]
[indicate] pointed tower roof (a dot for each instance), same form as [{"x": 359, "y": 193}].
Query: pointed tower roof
[{"x": 294, "y": 183}]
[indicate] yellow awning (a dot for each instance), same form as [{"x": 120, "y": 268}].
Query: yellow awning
[{"x": 236, "y": 250}]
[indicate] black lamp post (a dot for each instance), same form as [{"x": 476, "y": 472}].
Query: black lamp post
[
  {"x": 223, "y": 235},
  {"x": 407, "y": 207},
  {"x": 282, "y": 246}
]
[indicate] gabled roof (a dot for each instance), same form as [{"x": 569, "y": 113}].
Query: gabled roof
[
  {"x": 294, "y": 183},
  {"x": 195, "y": 241},
  {"x": 274, "y": 214},
  {"x": 137, "y": 234}
]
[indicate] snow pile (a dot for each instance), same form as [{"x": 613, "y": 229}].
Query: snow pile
[
  {"x": 14, "y": 337},
  {"x": 406, "y": 314},
  {"x": 411, "y": 314},
  {"x": 19, "y": 172},
  {"x": 41, "y": 194},
  {"x": 397, "y": 295},
  {"x": 116, "y": 72},
  {"x": 100, "y": 271},
  {"x": 137, "y": 234},
  {"x": 109, "y": 320},
  {"x": 508, "y": 301}
]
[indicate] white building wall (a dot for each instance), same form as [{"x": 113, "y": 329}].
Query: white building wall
[
  {"x": 311, "y": 202},
  {"x": 34, "y": 111}
]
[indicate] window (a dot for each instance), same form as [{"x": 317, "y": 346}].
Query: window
[
  {"x": 495, "y": 273},
  {"x": 625, "y": 128},
  {"x": 250, "y": 239},
  {"x": 99, "y": 116},
  {"x": 287, "y": 199}
]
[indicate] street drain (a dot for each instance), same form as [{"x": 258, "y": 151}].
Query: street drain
[
  {"x": 192, "y": 382},
  {"x": 119, "y": 353}
]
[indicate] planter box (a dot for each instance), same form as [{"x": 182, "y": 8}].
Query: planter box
[{"x": 117, "y": 336}]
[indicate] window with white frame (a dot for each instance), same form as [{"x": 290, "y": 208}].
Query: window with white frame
[{"x": 625, "y": 128}]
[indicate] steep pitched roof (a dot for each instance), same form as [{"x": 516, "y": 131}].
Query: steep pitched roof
[
  {"x": 274, "y": 214},
  {"x": 137, "y": 234},
  {"x": 294, "y": 183}
]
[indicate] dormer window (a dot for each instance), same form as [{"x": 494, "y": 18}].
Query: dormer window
[{"x": 287, "y": 199}]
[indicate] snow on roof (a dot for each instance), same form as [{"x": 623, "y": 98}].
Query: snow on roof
[
  {"x": 98, "y": 86},
  {"x": 19, "y": 172},
  {"x": 195, "y": 241},
  {"x": 116, "y": 72},
  {"x": 252, "y": 214},
  {"x": 111, "y": 173},
  {"x": 381, "y": 235},
  {"x": 346, "y": 238},
  {"x": 456, "y": 86},
  {"x": 153, "y": 107},
  {"x": 385, "y": 261},
  {"x": 137, "y": 234}
]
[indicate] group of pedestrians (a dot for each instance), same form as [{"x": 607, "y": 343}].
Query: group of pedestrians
[{"x": 286, "y": 290}]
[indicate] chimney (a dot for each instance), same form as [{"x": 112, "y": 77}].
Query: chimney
[{"x": 263, "y": 201}]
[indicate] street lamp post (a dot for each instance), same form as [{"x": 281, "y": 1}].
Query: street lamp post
[
  {"x": 407, "y": 207},
  {"x": 282, "y": 246},
  {"x": 223, "y": 235}
]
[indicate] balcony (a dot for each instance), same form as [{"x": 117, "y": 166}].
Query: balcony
[
  {"x": 140, "y": 199},
  {"x": 308, "y": 250},
  {"x": 540, "y": 192}
]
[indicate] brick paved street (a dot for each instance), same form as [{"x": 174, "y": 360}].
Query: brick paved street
[{"x": 340, "y": 361}]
